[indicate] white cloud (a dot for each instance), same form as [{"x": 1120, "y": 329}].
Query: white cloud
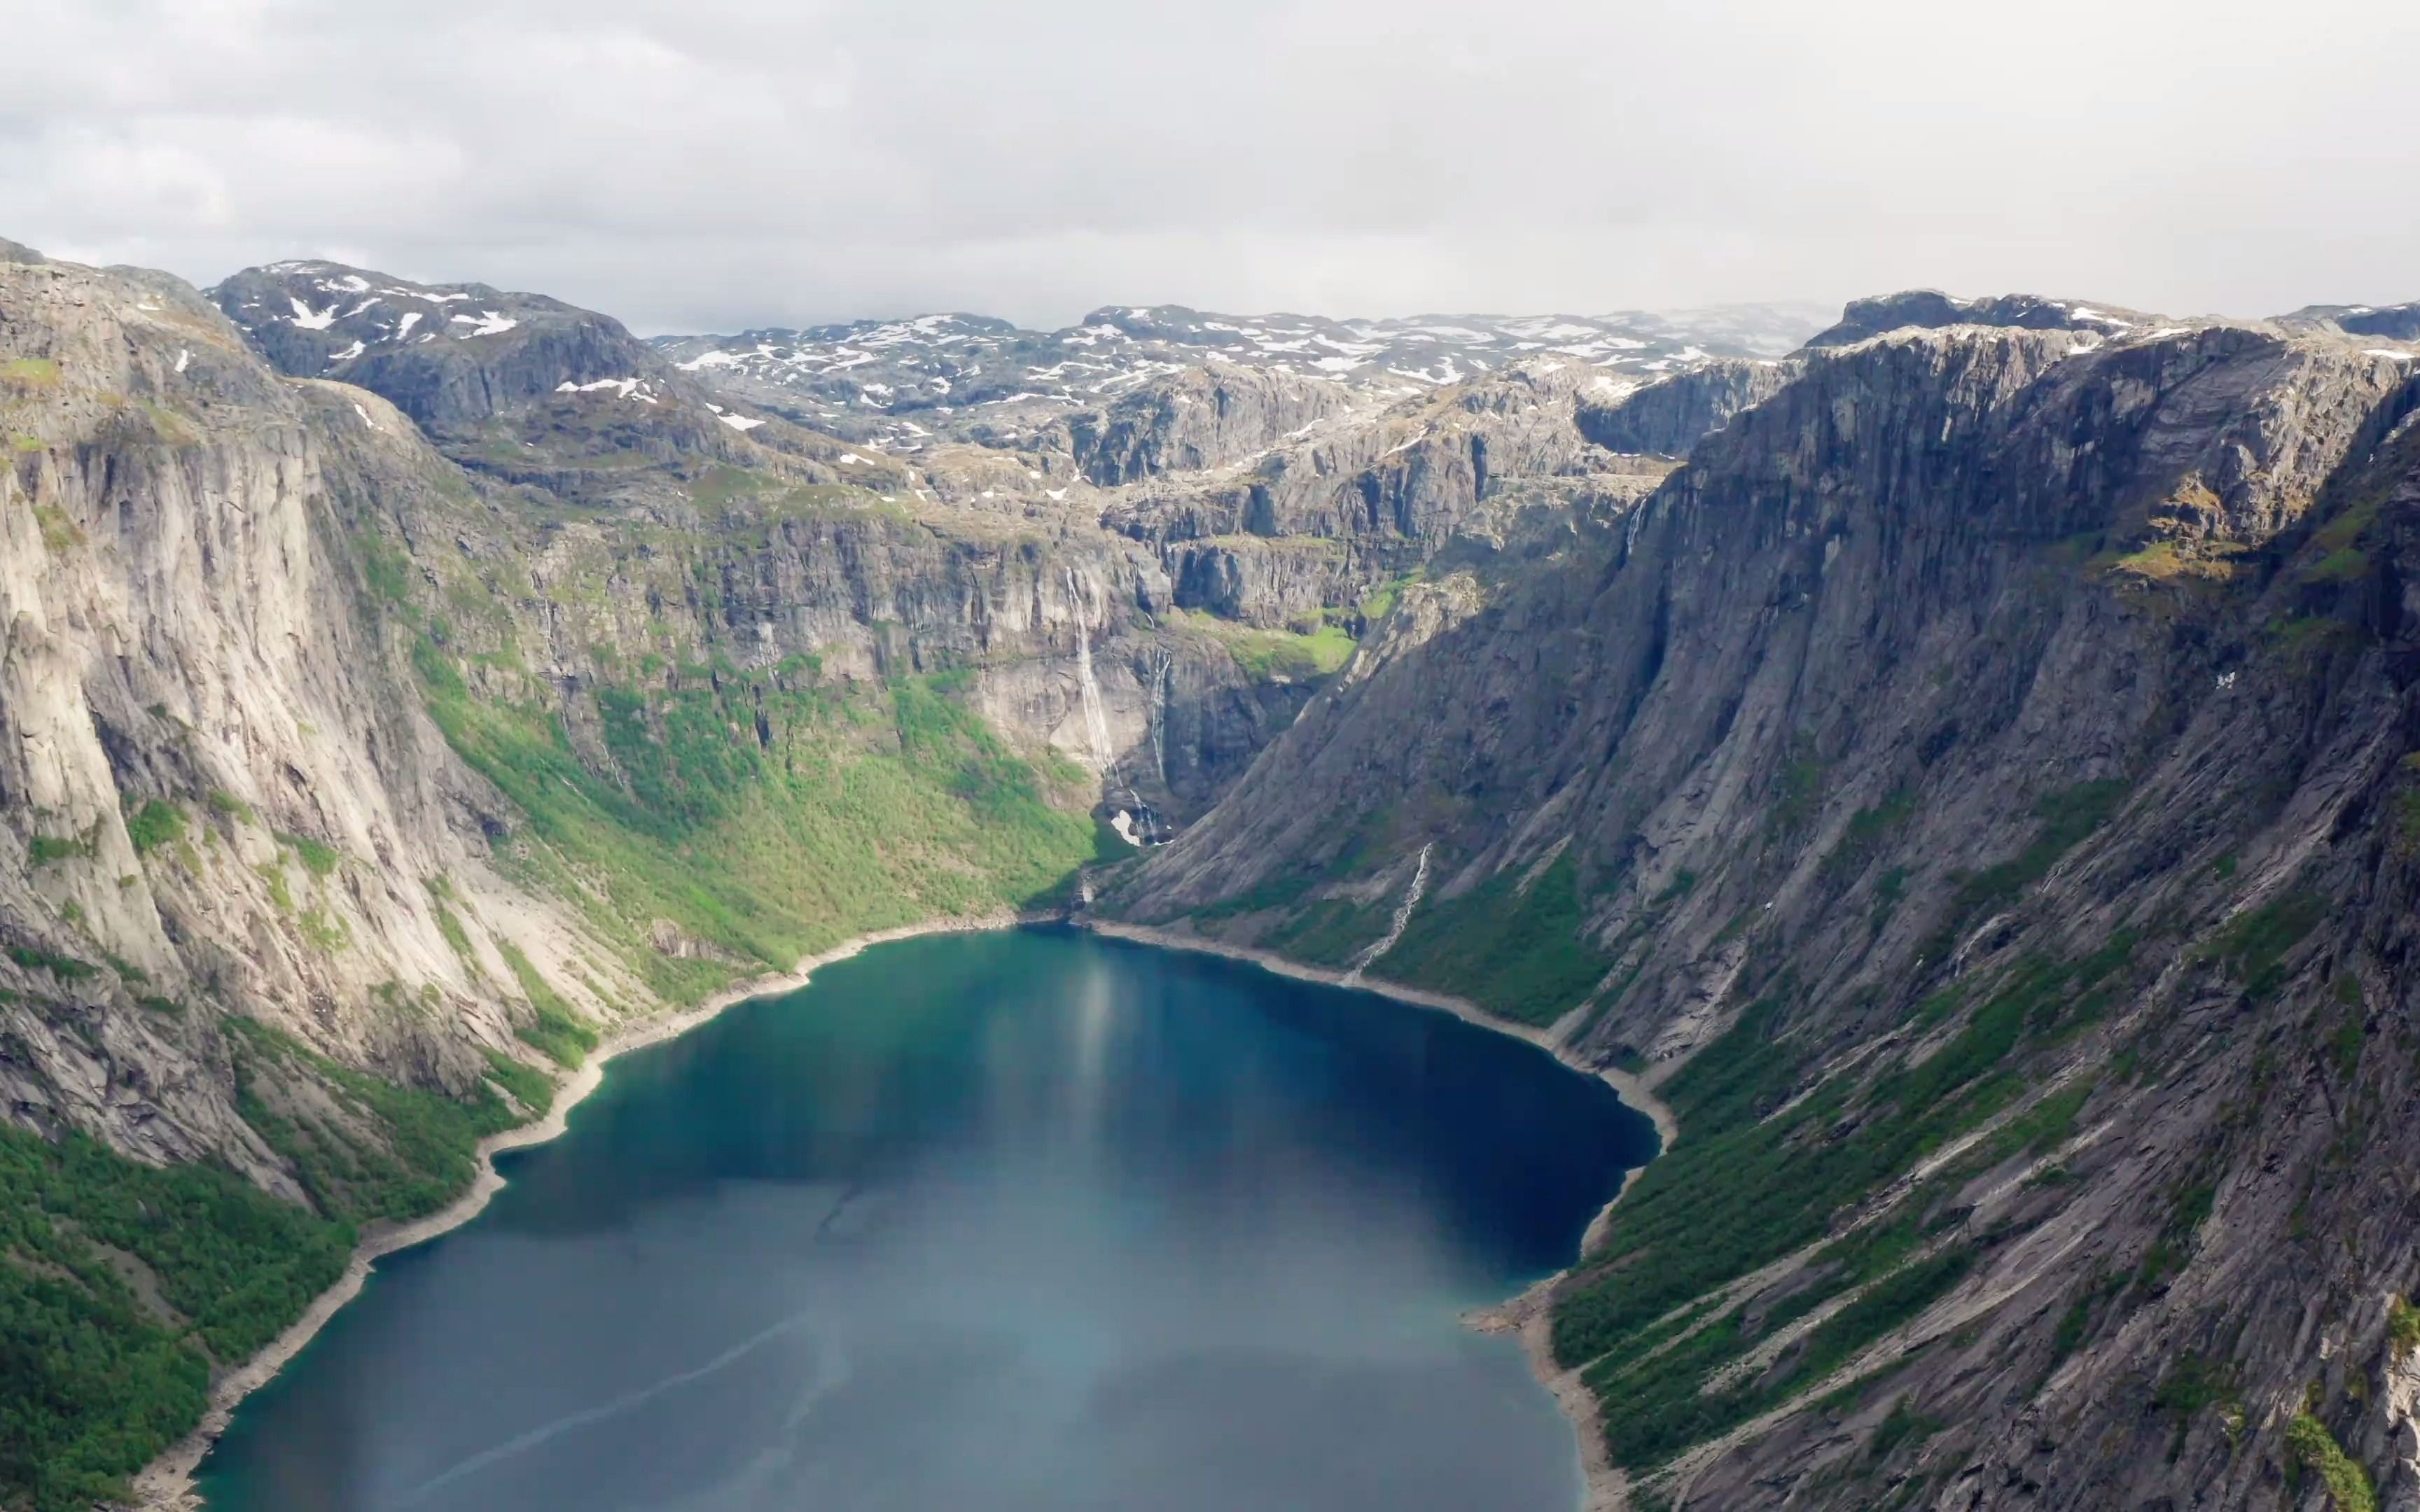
[{"x": 733, "y": 161}]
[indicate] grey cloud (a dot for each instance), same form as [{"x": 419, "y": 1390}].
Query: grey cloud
[{"x": 717, "y": 162}]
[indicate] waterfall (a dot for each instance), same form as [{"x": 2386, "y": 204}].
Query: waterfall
[
  {"x": 1097, "y": 718},
  {"x": 1162, "y": 664},
  {"x": 1395, "y": 926}
]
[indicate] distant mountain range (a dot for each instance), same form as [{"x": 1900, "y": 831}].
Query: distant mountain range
[{"x": 905, "y": 382}]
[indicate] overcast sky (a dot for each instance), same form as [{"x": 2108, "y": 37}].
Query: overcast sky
[{"x": 710, "y": 164}]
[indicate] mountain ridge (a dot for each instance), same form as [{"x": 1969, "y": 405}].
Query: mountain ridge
[{"x": 2006, "y": 697}]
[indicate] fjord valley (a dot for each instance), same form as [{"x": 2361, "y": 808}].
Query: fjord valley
[{"x": 1955, "y": 759}]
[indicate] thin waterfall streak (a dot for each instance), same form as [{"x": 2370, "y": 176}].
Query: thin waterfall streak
[
  {"x": 1097, "y": 719},
  {"x": 1403, "y": 917},
  {"x": 1162, "y": 664}
]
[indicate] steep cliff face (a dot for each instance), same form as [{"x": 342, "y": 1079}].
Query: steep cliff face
[
  {"x": 1972, "y": 791},
  {"x": 220, "y": 789},
  {"x": 1668, "y": 417}
]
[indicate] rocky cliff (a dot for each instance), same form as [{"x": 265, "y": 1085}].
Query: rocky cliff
[
  {"x": 1975, "y": 792},
  {"x": 1974, "y": 789}
]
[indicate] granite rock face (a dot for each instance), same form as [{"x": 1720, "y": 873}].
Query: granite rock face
[
  {"x": 1974, "y": 787},
  {"x": 212, "y": 767}
]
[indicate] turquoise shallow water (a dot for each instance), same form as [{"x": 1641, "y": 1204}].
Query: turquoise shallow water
[{"x": 994, "y": 1222}]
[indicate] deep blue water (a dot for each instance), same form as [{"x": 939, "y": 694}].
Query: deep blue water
[{"x": 993, "y": 1222}]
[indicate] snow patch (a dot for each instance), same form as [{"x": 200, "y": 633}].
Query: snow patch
[
  {"x": 489, "y": 323},
  {"x": 739, "y": 423}
]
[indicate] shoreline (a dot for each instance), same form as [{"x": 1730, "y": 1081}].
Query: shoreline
[
  {"x": 166, "y": 1484},
  {"x": 1527, "y": 1317}
]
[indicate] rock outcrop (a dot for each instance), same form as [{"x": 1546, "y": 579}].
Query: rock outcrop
[
  {"x": 1668, "y": 416},
  {"x": 2394, "y": 322},
  {"x": 1197, "y": 418},
  {"x": 1932, "y": 310}
]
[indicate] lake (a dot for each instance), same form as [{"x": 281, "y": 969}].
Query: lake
[{"x": 1020, "y": 1222}]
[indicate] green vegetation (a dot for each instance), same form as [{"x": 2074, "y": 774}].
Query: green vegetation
[
  {"x": 1753, "y": 1184},
  {"x": 122, "y": 1285},
  {"x": 2194, "y": 1382},
  {"x": 1331, "y": 931},
  {"x": 99, "y": 1374},
  {"x": 1516, "y": 952},
  {"x": 324, "y": 931},
  {"x": 1268, "y": 655},
  {"x": 441, "y": 893},
  {"x": 272, "y": 874},
  {"x": 156, "y": 824},
  {"x": 2068, "y": 817},
  {"x": 560, "y": 1032},
  {"x": 1663, "y": 1408},
  {"x": 2315, "y": 1449},
  {"x": 2344, "y": 564},
  {"x": 65, "y": 967},
  {"x": 1798, "y": 796},
  {"x": 2402, "y": 1327},
  {"x": 1867, "y": 831},
  {"x": 1380, "y": 601},
  {"x": 2307, "y": 634},
  {"x": 526, "y": 1085},
  {"x": 387, "y": 570},
  {"x": 363, "y": 1149},
  {"x": 2254, "y": 944},
  {"x": 768, "y": 813},
  {"x": 227, "y": 805},
  {"x": 59, "y": 533},
  {"x": 42, "y": 850},
  {"x": 318, "y": 857},
  {"x": 24, "y": 373}
]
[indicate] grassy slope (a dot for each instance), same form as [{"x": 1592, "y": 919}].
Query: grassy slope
[
  {"x": 757, "y": 844},
  {"x": 770, "y": 814}
]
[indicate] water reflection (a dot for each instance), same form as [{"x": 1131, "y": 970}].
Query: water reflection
[{"x": 1002, "y": 1222}]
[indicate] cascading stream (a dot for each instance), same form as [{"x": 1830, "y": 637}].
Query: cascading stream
[
  {"x": 1097, "y": 719},
  {"x": 1162, "y": 664},
  {"x": 1403, "y": 917}
]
